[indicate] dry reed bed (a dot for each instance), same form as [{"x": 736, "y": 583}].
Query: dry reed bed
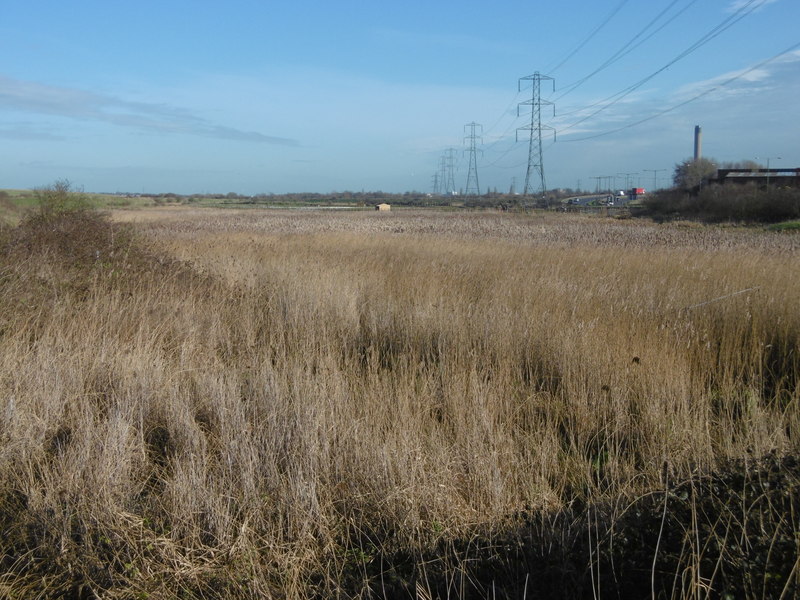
[
  {"x": 338, "y": 384},
  {"x": 552, "y": 230}
]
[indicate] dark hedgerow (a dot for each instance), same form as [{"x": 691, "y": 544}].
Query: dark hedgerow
[{"x": 732, "y": 203}]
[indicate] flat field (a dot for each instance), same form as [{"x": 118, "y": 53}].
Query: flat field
[{"x": 248, "y": 403}]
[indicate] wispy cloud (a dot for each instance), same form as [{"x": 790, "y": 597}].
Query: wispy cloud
[
  {"x": 27, "y": 132},
  {"x": 116, "y": 171},
  {"x": 737, "y": 5},
  {"x": 71, "y": 103},
  {"x": 756, "y": 78}
]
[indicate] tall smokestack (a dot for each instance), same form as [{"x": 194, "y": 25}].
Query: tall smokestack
[{"x": 698, "y": 142}]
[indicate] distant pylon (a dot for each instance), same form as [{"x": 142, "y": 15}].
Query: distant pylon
[
  {"x": 450, "y": 165},
  {"x": 535, "y": 163},
  {"x": 442, "y": 175},
  {"x": 473, "y": 187}
]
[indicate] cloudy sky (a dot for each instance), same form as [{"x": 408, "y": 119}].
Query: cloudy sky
[{"x": 260, "y": 96}]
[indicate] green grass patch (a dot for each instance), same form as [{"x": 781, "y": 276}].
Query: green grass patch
[{"x": 786, "y": 226}]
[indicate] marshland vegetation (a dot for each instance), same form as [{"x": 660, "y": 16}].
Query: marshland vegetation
[{"x": 249, "y": 404}]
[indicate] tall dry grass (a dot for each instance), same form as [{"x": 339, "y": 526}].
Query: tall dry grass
[{"x": 304, "y": 393}]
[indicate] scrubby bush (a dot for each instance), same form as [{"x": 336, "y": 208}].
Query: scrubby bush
[
  {"x": 68, "y": 233},
  {"x": 59, "y": 198}
]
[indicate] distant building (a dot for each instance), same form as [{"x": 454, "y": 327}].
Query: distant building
[
  {"x": 777, "y": 177},
  {"x": 383, "y": 206}
]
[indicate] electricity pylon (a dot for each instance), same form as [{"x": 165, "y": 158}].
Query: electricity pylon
[
  {"x": 473, "y": 187},
  {"x": 442, "y": 175},
  {"x": 450, "y": 166},
  {"x": 535, "y": 144}
]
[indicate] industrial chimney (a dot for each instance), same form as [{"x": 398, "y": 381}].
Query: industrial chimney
[{"x": 698, "y": 142}]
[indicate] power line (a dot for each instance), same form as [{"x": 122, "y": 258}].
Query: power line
[
  {"x": 690, "y": 100},
  {"x": 707, "y": 37},
  {"x": 508, "y": 151},
  {"x": 502, "y": 114},
  {"x": 561, "y": 63},
  {"x": 655, "y": 173},
  {"x": 740, "y": 13},
  {"x": 514, "y": 122},
  {"x": 589, "y": 37},
  {"x": 628, "y": 177},
  {"x": 629, "y": 45}
]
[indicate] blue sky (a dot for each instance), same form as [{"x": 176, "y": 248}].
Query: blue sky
[{"x": 271, "y": 97}]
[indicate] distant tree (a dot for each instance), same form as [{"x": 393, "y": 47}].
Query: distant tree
[{"x": 691, "y": 173}]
